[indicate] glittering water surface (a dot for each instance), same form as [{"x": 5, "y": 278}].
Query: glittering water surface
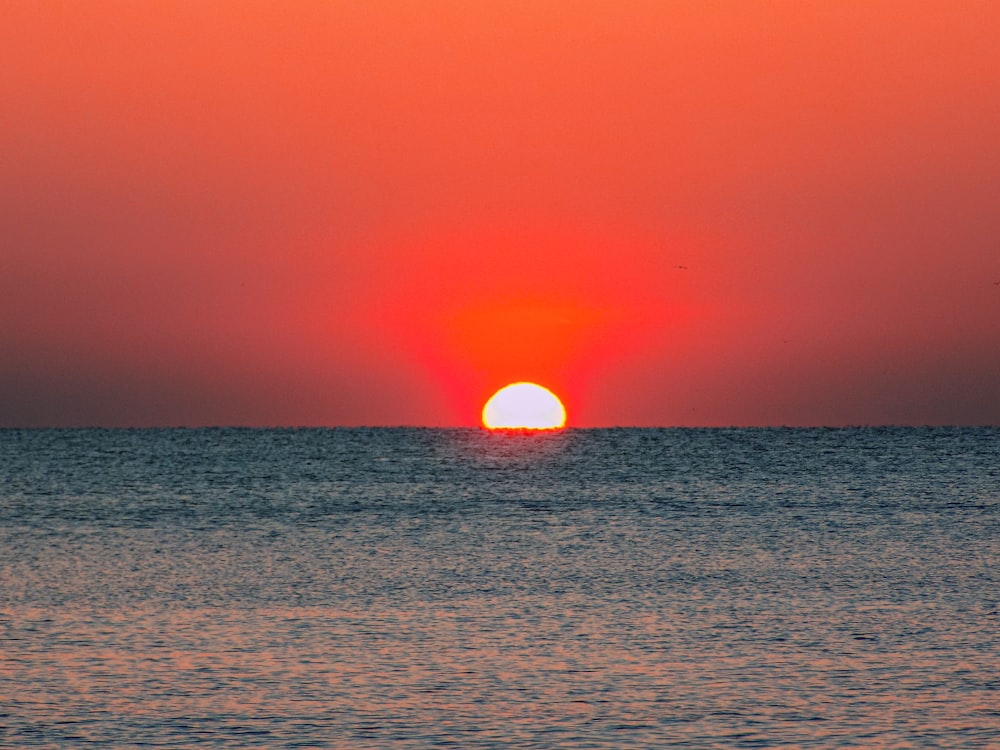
[{"x": 456, "y": 588}]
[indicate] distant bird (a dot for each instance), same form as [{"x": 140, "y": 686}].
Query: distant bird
[{"x": 682, "y": 268}]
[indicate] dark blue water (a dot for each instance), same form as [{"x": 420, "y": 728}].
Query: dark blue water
[{"x": 416, "y": 588}]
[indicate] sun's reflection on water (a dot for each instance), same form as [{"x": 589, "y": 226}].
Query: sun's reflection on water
[{"x": 510, "y": 448}]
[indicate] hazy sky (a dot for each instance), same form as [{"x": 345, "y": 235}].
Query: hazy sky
[{"x": 378, "y": 212}]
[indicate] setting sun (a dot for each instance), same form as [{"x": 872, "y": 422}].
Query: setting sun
[{"x": 525, "y": 406}]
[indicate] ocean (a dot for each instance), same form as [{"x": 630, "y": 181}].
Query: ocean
[{"x": 436, "y": 588}]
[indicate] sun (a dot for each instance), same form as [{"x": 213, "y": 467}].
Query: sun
[{"x": 524, "y": 406}]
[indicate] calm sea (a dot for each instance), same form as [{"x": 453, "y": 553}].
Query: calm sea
[{"x": 423, "y": 588}]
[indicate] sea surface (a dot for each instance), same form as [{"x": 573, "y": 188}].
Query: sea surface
[{"x": 426, "y": 588}]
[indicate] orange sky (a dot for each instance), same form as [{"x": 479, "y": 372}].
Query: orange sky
[{"x": 343, "y": 213}]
